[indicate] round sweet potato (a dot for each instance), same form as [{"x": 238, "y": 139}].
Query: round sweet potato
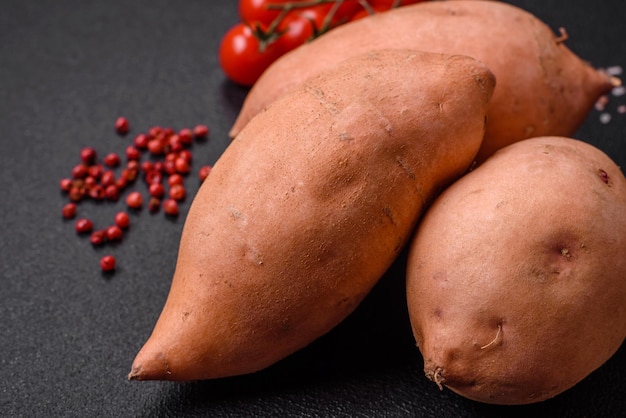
[
  {"x": 309, "y": 206},
  {"x": 516, "y": 278},
  {"x": 542, "y": 88}
]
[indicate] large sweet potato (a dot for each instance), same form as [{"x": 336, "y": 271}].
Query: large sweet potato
[
  {"x": 516, "y": 281},
  {"x": 543, "y": 88},
  {"x": 308, "y": 207}
]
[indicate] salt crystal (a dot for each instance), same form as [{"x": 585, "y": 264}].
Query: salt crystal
[
  {"x": 605, "y": 118},
  {"x": 618, "y": 91},
  {"x": 614, "y": 70},
  {"x": 601, "y": 103}
]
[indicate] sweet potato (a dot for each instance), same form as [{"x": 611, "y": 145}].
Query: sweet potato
[
  {"x": 543, "y": 88},
  {"x": 516, "y": 277},
  {"x": 308, "y": 207}
]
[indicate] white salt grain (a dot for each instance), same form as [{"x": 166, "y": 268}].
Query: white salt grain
[{"x": 605, "y": 118}]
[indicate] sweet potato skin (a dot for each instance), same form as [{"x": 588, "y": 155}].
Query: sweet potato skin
[
  {"x": 516, "y": 277},
  {"x": 309, "y": 206},
  {"x": 543, "y": 88}
]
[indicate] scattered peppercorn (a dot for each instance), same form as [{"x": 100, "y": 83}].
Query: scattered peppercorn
[
  {"x": 69, "y": 210},
  {"x": 168, "y": 158},
  {"x": 84, "y": 225},
  {"x": 98, "y": 237},
  {"x": 107, "y": 263},
  {"x": 203, "y": 173},
  {"x": 134, "y": 200},
  {"x": 121, "y": 125},
  {"x": 170, "y": 207},
  {"x": 112, "y": 160},
  {"x": 122, "y": 220},
  {"x": 114, "y": 233},
  {"x": 88, "y": 155},
  {"x": 177, "y": 192}
]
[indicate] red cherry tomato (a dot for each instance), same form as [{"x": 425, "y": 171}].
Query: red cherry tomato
[
  {"x": 251, "y": 11},
  {"x": 296, "y": 30},
  {"x": 388, "y": 4},
  {"x": 379, "y": 6},
  {"x": 243, "y": 57}
]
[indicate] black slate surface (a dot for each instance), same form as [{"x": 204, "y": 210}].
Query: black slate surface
[{"x": 68, "y": 334}]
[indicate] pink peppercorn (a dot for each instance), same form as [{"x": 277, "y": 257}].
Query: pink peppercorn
[
  {"x": 122, "y": 220},
  {"x": 98, "y": 237},
  {"x": 177, "y": 192},
  {"x": 69, "y": 211},
  {"x": 112, "y": 160},
  {"x": 84, "y": 225},
  {"x": 88, "y": 155},
  {"x": 132, "y": 153},
  {"x": 107, "y": 263},
  {"x": 204, "y": 171},
  {"x": 201, "y": 131},
  {"x": 170, "y": 207},
  {"x": 134, "y": 200},
  {"x": 121, "y": 125},
  {"x": 114, "y": 233}
]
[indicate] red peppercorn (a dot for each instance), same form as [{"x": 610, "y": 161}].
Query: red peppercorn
[
  {"x": 69, "y": 211},
  {"x": 98, "y": 237},
  {"x": 76, "y": 194},
  {"x": 169, "y": 166},
  {"x": 97, "y": 192},
  {"x": 154, "y": 204},
  {"x": 80, "y": 171},
  {"x": 177, "y": 192},
  {"x": 114, "y": 233},
  {"x": 121, "y": 125},
  {"x": 96, "y": 170},
  {"x": 181, "y": 165},
  {"x": 107, "y": 178},
  {"x": 122, "y": 220},
  {"x": 186, "y": 155},
  {"x": 204, "y": 171},
  {"x": 88, "y": 155},
  {"x": 201, "y": 131},
  {"x": 133, "y": 165},
  {"x": 154, "y": 131},
  {"x": 175, "y": 144},
  {"x": 66, "y": 184},
  {"x": 156, "y": 190},
  {"x": 147, "y": 166},
  {"x": 170, "y": 207},
  {"x": 112, "y": 160},
  {"x": 155, "y": 146},
  {"x": 107, "y": 263},
  {"x": 175, "y": 179},
  {"x": 84, "y": 225},
  {"x": 121, "y": 182},
  {"x": 134, "y": 200},
  {"x": 89, "y": 182},
  {"x": 141, "y": 141},
  {"x": 112, "y": 192},
  {"x": 185, "y": 136},
  {"x": 154, "y": 176},
  {"x": 132, "y": 153},
  {"x": 129, "y": 174}
]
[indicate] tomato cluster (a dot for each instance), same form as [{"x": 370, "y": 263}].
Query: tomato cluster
[{"x": 271, "y": 28}]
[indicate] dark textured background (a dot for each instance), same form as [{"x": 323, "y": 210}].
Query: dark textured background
[{"x": 69, "y": 334}]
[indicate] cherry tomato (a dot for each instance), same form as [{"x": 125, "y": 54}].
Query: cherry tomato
[
  {"x": 379, "y": 6},
  {"x": 342, "y": 14},
  {"x": 252, "y": 11},
  {"x": 243, "y": 57},
  {"x": 388, "y": 4},
  {"x": 296, "y": 29}
]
